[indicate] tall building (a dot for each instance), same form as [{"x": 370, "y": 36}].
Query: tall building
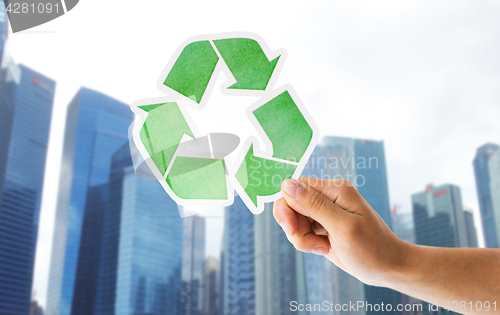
[
  {"x": 25, "y": 115},
  {"x": 494, "y": 169},
  {"x": 96, "y": 127},
  {"x": 103, "y": 299},
  {"x": 35, "y": 309},
  {"x": 362, "y": 163},
  {"x": 261, "y": 271},
  {"x": 3, "y": 29},
  {"x": 130, "y": 251},
  {"x": 193, "y": 266},
  {"x": 483, "y": 185},
  {"x": 279, "y": 268},
  {"x": 404, "y": 228},
  {"x": 320, "y": 272},
  {"x": 7, "y": 66},
  {"x": 10, "y": 78},
  {"x": 470, "y": 228},
  {"x": 439, "y": 217},
  {"x": 238, "y": 264},
  {"x": 140, "y": 263},
  {"x": 439, "y": 220},
  {"x": 212, "y": 286}
]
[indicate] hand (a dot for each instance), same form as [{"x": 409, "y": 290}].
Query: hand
[{"x": 330, "y": 218}]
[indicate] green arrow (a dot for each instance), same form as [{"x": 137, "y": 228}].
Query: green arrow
[
  {"x": 162, "y": 132},
  {"x": 193, "y": 69},
  {"x": 198, "y": 178},
  {"x": 285, "y": 126},
  {"x": 247, "y": 62},
  {"x": 262, "y": 177}
]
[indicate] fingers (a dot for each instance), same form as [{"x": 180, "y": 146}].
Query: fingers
[
  {"x": 318, "y": 229},
  {"x": 286, "y": 217},
  {"x": 310, "y": 203},
  {"x": 302, "y": 235},
  {"x": 339, "y": 191}
]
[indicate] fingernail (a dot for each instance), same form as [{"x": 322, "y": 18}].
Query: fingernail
[
  {"x": 321, "y": 251},
  {"x": 292, "y": 188},
  {"x": 286, "y": 228}
]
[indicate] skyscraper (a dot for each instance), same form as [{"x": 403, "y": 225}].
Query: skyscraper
[
  {"x": 10, "y": 78},
  {"x": 320, "y": 272},
  {"x": 212, "y": 286},
  {"x": 105, "y": 287},
  {"x": 439, "y": 217},
  {"x": 279, "y": 268},
  {"x": 3, "y": 29},
  {"x": 96, "y": 127},
  {"x": 470, "y": 228},
  {"x": 140, "y": 263},
  {"x": 25, "y": 115},
  {"x": 7, "y": 67},
  {"x": 404, "y": 228},
  {"x": 362, "y": 163},
  {"x": 132, "y": 264},
  {"x": 484, "y": 195},
  {"x": 494, "y": 170},
  {"x": 238, "y": 260},
  {"x": 193, "y": 266}
]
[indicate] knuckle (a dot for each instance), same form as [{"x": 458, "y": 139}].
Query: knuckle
[
  {"x": 340, "y": 182},
  {"x": 346, "y": 188},
  {"x": 315, "y": 201},
  {"x": 299, "y": 245},
  {"x": 355, "y": 228}
]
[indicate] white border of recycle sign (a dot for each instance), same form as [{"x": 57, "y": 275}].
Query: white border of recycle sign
[{"x": 231, "y": 168}]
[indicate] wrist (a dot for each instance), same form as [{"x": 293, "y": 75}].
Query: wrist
[{"x": 405, "y": 270}]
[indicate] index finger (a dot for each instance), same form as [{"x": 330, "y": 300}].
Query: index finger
[{"x": 339, "y": 191}]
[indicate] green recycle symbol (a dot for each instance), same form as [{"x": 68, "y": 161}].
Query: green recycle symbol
[{"x": 194, "y": 168}]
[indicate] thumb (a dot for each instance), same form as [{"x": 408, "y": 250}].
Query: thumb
[{"x": 310, "y": 203}]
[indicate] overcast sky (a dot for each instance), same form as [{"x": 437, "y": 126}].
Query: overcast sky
[{"x": 421, "y": 75}]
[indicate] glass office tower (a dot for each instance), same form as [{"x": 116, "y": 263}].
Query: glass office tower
[
  {"x": 362, "y": 163},
  {"x": 131, "y": 247},
  {"x": 439, "y": 220},
  {"x": 96, "y": 127},
  {"x": 471, "y": 228},
  {"x": 371, "y": 176},
  {"x": 439, "y": 217},
  {"x": 149, "y": 251},
  {"x": 279, "y": 268},
  {"x": 10, "y": 78},
  {"x": 3, "y": 29},
  {"x": 25, "y": 114},
  {"x": 320, "y": 272},
  {"x": 212, "y": 286},
  {"x": 494, "y": 169},
  {"x": 482, "y": 174},
  {"x": 238, "y": 261},
  {"x": 193, "y": 266}
]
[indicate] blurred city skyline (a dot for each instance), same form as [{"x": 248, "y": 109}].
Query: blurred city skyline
[
  {"x": 103, "y": 206},
  {"x": 420, "y": 76}
]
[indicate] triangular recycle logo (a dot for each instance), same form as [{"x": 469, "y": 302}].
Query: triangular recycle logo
[{"x": 197, "y": 172}]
